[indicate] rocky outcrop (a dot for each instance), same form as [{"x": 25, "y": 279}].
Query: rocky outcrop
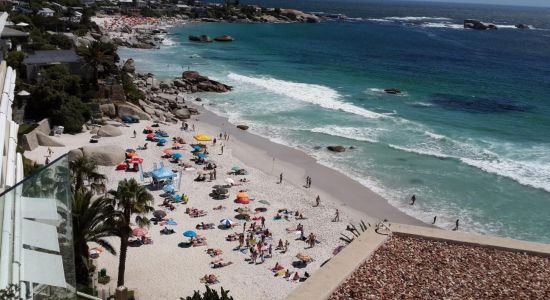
[
  {"x": 30, "y": 141},
  {"x": 47, "y": 141},
  {"x": 195, "y": 82},
  {"x": 75, "y": 154},
  {"x": 109, "y": 131},
  {"x": 224, "y": 38},
  {"x": 127, "y": 109},
  {"x": 336, "y": 148},
  {"x": 522, "y": 26},
  {"x": 393, "y": 91},
  {"x": 129, "y": 66},
  {"x": 478, "y": 25},
  {"x": 182, "y": 113},
  {"x": 105, "y": 155},
  {"x": 108, "y": 109},
  {"x": 299, "y": 16},
  {"x": 243, "y": 127}
]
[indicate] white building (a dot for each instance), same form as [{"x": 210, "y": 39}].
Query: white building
[{"x": 46, "y": 12}]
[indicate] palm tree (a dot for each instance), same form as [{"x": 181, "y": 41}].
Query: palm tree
[
  {"x": 130, "y": 198},
  {"x": 84, "y": 169},
  {"x": 94, "y": 219},
  {"x": 100, "y": 56}
]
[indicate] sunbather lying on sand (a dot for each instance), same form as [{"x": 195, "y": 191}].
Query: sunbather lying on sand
[
  {"x": 214, "y": 252},
  {"x": 209, "y": 279},
  {"x": 221, "y": 264},
  {"x": 277, "y": 267},
  {"x": 221, "y": 207}
]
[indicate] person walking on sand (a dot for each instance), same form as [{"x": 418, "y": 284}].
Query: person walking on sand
[
  {"x": 281, "y": 178},
  {"x": 317, "y": 201},
  {"x": 263, "y": 222},
  {"x": 435, "y": 218},
  {"x": 47, "y": 162},
  {"x": 413, "y": 199},
  {"x": 336, "y": 216},
  {"x": 214, "y": 141},
  {"x": 456, "y": 225},
  {"x": 50, "y": 151},
  {"x": 221, "y": 135},
  {"x": 193, "y": 127},
  {"x": 309, "y": 183},
  {"x": 222, "y": 149},
  {"x": 135, "y": 133},
  {"x": 214, "y": 173}
]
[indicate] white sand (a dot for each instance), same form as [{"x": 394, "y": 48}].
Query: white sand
[{"x": 165, "y": 271}]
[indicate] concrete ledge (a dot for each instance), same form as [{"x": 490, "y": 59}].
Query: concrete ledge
[
  {"x": 326, "y": 280},
  {"x": 458, "y": 237}
]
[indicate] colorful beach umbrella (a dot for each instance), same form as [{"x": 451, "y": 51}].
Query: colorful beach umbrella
[
  {"x": 167, "y": 151},
  {"x": 203, "y": 156},
  {"x": 132, "y": 154},
  {"x": 202, "y": 137},
  {"x": 190, "y": 234},
  {"x": 171, "y": 222},
  {"x": 150, "y": 136},
  {"x": 177, "y": 155},
  {"x": 137, "y": 160},
  {"x": 162, "y": 141},
  {"x": 226, "y": 222},
  {"x": 197, "y": 147},
  {"x": 139, "y": 231},
  {"x": 130, "y": 150}
]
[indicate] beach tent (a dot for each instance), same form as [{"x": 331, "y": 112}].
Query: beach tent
[
  {"x": 163, "y": 173},
  {"x": 242, "y": 198},
  {"x": 202, "y": 138}
]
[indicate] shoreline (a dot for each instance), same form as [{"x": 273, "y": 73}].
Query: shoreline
[{"x": 296, "y": 165}]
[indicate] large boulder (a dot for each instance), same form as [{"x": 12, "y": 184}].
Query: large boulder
[
  {"x": 182, "y": 113},
  {"x": 129, "y": 66},
  {"x": 128, "y": 109},
  {"x": 108, "y": 109},
  {"x": 109, "y": 131},
  {"x": 47, "y": 141},
  {"x": 179, "y": 83},
  {"x": 75, "y": 154},
  {"x": 109, "y": 155},
  {"x": 200, "y": 83},
  {"x": 336, "y": 148}
]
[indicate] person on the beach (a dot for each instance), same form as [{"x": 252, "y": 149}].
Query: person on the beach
[
  {"x": 244, "y": 227},
  {"x": 279, "y": 245},
  {"x": 263, "y": 222},
  {"x": 413, "y": 199},
  {"x": 193, "y": 127},
  {"x": 296, "y": 276},
  {"x": 311, "y": 240},
  {"x": 47, "y": 161},
  {"x": 336, "y": 216},
  {"x": 214, "y": 141},
  {"x": 286, "y": 245},
  {"x": 281, "y": 178},
  {"x": 270, "y": 250},
  {"x": 307, "y": 181},
  {"x": 135, "y": 134},
  {"x": 222, "y": 149},
  {"x": 221, "y": 135},
  {"x": 241, "y": 240},
  {"x": 435, "y": 218},
  {"x": 317, "y": 201},
  {"x": 456, "y": 225},
  {"x": 50, "y": 151}
]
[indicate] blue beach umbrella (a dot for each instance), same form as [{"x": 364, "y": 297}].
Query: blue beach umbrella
[
  {"x": 226, "y": 222},
  {"x": 202, "y": 156},
  {"x": 162, "y": 141},
  {"x": 197, "y": 147},
  {"x": 190, "y": 234},
  {"x": 171, "y": 222},
  {"x": 177, "y": 155},
  {"x": 168, "y": 188}
]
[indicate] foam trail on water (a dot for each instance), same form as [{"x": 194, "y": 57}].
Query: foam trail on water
[
  {"x": 310, "y": 93},
  {"x": 358, "y": 134}
]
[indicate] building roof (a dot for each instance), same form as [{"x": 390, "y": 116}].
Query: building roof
[
  {"x": 48, "y": 10},
  {"x": 52, "y": 56},
  {"x": 10, "y": 32}
]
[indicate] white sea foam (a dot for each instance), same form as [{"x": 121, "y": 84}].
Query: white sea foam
[
  {"x": 310, "y": 93},
  {"x": 424, "y": 104},
  {"x": 419, "y": 151},
  {"x": 417, "y": 18},
  {"x": 168, "y": 42},
  {"x": 442, "y": 25},
  {"x": 435, "y": 135},
  {"x": 358, "y": 134}
]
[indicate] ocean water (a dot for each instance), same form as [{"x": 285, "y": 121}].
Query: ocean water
[{"x": 470, "y": 136}]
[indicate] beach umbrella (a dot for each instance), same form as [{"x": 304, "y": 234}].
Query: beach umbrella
[
  {"x": 197, "y": 147},
  {"x": 150, "y": 136},
  {"x": 137, "y": 160},
  {"x": 167, "y": 151},
  {"x": 22, "y": 24},
  {"x": 236, "y": 168},
  {"x": 264, "y": 202},
  {"x": 168, "y": 188},
  {"x": 190, "y": 234},
  {"x": 202, "y": 137},
  {"x": 139, "y": 231},
  {"x": 261, "y": 209},
  {"x": 177, "y": 155},
  {"x": 23, "y": 93},
  {"x": 130, "y": 150},
  {"x": 171, "y": 222},
  {"x": 230, "y": 180},
  {"x": 226, "y": 222},
  {"x": 162, "y": 141},
  {"x": 203, "y": 156},
  {"x": 159, "y": 214}
]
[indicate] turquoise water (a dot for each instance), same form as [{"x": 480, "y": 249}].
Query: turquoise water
[{"x": 469, "y": 136}]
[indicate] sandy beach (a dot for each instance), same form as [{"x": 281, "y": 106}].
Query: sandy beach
[{"x": 164, "y": 270}]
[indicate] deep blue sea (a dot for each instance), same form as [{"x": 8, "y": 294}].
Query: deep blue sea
[{"x": 470, "y": 136}]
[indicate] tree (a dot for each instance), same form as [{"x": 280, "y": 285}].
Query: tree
[
  {"x": 130, "y": 199},
  {"x": 94, "y": 219},
  {"x": 210, "y": 294},
  {"x": 101, "y": 57},
  {"x": 84, "y": 169}
]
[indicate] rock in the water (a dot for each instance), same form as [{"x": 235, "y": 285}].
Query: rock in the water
[
  {"x": 478, "y": 25},
  {"x": 242, "y": 127},
  {"x": 106, "y": 155},
  {"x": 522, "y": 26},
  {"x": 199, "y": 83},
  {"x": 109, "y": 131},
  {"x": 393, "y": 91},
  {"x": 47, "y": 141},
  {"x": 129, "y": 66},
  {"x": 201, "y": 38},
  {"x": 224, "y": 38},
  {"x": 336, "y": 148},
  {"x": 316, "y": 147},
  {"x": 198, "y": 99}
]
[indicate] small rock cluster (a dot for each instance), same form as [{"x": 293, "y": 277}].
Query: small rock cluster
[{"x": 413, "y": 268}]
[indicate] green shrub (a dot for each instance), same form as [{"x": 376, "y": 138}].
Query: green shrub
[
  {"x": 133, "y": 94},
  {"x": 210, "y": 294}
]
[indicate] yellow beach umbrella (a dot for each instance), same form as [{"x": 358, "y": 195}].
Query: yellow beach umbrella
[{"x": 202, "y": 137}]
